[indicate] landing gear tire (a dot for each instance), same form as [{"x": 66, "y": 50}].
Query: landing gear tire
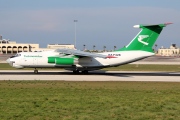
[
  {"x": 85, "y": 71},
  {"x": 75, "y": 71},
  {"x": 36, "y": 71}
]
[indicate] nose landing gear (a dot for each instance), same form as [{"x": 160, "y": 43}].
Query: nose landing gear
[{"x": 36, "y": 71}]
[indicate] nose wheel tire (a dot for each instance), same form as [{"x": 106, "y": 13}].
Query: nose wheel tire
[{"x": 36, "y": 71}]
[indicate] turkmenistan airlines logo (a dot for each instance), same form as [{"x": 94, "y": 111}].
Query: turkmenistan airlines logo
[{"x": 141, "y": 37}]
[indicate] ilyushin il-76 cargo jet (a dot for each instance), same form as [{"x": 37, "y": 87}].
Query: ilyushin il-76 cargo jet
[{"x": 75, "y": 60}]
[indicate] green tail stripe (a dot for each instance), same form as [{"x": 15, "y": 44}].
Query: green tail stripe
[{"x": 145, "y": 39}]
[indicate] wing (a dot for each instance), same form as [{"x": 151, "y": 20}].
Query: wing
[{"x": 80, "y": 53}]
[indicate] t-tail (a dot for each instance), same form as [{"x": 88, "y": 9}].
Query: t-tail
[{"x": 146, "y": 38}]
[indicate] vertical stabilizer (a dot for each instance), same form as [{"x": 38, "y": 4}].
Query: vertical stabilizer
[{"x": 146, "y": 38}]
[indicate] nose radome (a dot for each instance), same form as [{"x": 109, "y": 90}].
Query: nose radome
[{"x": 8, "y": 60}]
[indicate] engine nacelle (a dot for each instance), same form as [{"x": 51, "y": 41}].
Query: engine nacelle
[
  {"x": 66, "y": 61},
  {"x": 62, "y": 61},
  {"x": 51, "y": 59}
]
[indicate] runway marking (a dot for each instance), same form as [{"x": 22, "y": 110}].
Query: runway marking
[{"x": 92, "y": 76}]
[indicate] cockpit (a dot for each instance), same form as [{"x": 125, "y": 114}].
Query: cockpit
[{"x": 17, "y": 55}]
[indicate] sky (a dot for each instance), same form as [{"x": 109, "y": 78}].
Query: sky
[{"x": 100, "y": 22}]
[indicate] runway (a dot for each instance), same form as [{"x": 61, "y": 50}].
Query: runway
[{"x": 92, "y": 76}]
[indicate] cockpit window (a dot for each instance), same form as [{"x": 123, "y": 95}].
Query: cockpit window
[{"x": 17, "y": 55}]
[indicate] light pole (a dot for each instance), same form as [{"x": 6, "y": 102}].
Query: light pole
[{"x": 75, "y": 21}]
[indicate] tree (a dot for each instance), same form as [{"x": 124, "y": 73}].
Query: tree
[
  {"x": 155, "y": 48},
  {"x": 104, "y": 48},
  {"x": 94, "y": 47},
  {"x": 114, "y": 48}
]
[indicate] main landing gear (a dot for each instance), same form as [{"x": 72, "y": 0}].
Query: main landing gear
[
  {"x": 36, "y": 71},
  {"x": 77, "y": 71},
  {"x": 85, "y": 71}
]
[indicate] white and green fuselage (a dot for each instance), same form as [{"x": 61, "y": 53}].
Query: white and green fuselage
[
  {"x": 140, "y": 47},
  {"x": 43, "y": 60}
]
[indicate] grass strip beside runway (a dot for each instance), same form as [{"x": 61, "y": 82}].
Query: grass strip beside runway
[
  {"x": 89, "y": 100},
  {"x": 128, "y": 67}
]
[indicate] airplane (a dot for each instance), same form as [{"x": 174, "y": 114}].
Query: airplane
[{"x": 140, "y": 47}]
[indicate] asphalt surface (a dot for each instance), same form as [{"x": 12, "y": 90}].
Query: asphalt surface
[{"x": 91, "y": 76}]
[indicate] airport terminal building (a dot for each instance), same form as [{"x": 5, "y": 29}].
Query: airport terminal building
[
  {"x": 11, "y": 47},
  {"x": 173, "y": 50}
]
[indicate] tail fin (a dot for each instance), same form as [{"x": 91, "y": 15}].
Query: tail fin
[{"x": 146, "y": 38}]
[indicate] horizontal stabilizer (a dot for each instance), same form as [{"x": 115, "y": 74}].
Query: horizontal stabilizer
[{"x": 161, "y": 25}]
